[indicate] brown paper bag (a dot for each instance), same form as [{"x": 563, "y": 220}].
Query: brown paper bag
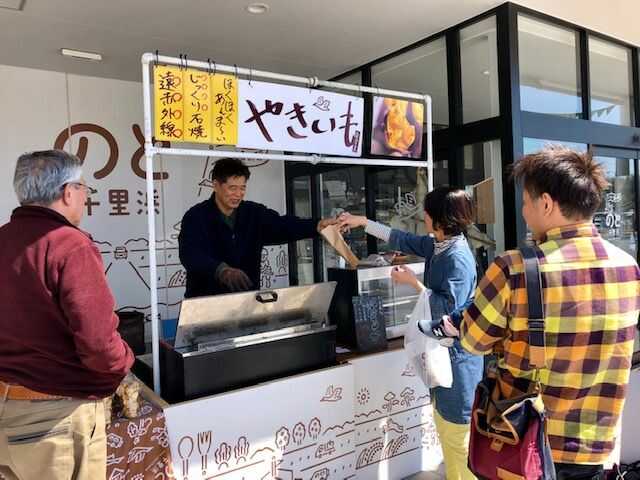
[
  {"x": 483, "y": 202},
  {"x": 332, "y": 235}
]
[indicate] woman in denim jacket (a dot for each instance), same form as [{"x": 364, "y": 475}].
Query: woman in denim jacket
[{"x": 450, "y": 273}]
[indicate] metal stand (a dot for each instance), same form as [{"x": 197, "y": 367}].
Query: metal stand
[{"x": 150, "y": 151}]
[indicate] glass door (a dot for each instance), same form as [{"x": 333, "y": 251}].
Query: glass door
[
  {"x": 342, "y": 190},
  {"x": 482, "y": 177},
  {"x": 303, "y": 248},
  {"x": 617, "y": 217}
]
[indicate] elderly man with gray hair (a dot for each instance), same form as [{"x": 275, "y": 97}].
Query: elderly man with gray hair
[{"x": 60, "y": 353}]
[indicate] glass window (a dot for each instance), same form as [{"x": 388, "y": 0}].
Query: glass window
[
  {"x": 304, "y": 248},
  {"x": 479, "y": 62},
  {"x": 343, "y": 190},
  {"x": 421, "y": 70},
  {"x": 400, "y": 194},
  {"x": 440, "y": 173},
  {"x": 549, "y": 68},
  {"x": 354, "y": 78},
  {"x": 616, "y": 217},
  {"x": 531, "y": 145},
  {"x": 483, "y": 161},
  {"x": 611, "y": 82}
]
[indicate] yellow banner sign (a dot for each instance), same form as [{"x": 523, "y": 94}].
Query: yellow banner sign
[
  {"x": 225, "y": 109},
  {"x": 169, "y": 103},
  {"x": 195, "y": 106}
]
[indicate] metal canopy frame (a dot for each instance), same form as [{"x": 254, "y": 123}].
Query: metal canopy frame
[{"x": 150, "y": 150}]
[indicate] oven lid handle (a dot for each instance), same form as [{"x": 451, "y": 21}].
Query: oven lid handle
[{"x": 267, "y": 297}]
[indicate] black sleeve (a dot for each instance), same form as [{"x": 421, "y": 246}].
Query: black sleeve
[
  {"x": 279, "y": 229},
  {"x": 195, "y": 252}
]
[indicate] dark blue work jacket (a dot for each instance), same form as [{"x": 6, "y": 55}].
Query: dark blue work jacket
[{"x": 206, "y": 240}]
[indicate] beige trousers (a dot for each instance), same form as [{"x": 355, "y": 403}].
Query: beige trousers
[{"x": 52, "y": 440}]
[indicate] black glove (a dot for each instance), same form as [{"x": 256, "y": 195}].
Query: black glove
[{"x": 235, "y": 280}]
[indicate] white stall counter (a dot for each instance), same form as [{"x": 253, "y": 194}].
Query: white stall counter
[{"x": 368, "y": 418}]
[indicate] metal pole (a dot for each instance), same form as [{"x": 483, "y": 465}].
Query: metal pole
[
  {"x": 311, "y": 82},
  {"x": 428, "y": 104},
  {"x": 151, "y": 223},
  {"x": 147, "y": 58},
  {"x": 290, "y": 158},
  {"x": 307, "y": 81}
]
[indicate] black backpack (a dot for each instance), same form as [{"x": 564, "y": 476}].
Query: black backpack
[{"x": 629, "y": 471}]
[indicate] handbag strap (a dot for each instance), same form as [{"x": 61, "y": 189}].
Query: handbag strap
[{"x": 535, "y": 321}]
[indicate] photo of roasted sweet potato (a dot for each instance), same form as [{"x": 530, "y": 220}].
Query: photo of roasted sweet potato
[{"x": 397, "y": 127}]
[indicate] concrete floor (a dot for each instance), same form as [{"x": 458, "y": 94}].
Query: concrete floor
[
  {"x": 425, "y": 476},
  {"x": 437, "y": 475}
]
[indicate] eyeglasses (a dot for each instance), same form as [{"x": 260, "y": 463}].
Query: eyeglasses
[{"x": 88, "y": 190}]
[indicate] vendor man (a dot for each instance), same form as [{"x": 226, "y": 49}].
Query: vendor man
[{"x": 221, "y": 239}]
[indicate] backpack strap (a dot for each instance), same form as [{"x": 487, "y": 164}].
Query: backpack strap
[{"x": 535, "y": 303}]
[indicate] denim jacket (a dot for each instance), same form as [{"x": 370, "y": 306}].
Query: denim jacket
[{"x": 451, "y": 276}]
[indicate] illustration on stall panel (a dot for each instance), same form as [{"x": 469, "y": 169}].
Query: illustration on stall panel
[
  {"x": 315, "y": 440},
  {"x": 303, "y": 448},
  {"x": 403, "y": 423},
  {"x": 128, "y": 262},
  {"x": 393, "y": 426}
]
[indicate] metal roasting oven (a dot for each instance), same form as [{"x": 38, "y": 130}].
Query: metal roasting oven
[{"x": 239, "y": 339}]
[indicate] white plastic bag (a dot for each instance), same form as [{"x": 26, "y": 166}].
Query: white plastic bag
[{"x": 429, "y": 359}]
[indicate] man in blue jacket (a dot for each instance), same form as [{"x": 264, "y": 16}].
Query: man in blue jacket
[{"x": 221, "y": 239}]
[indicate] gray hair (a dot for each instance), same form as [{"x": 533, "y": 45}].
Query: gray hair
[{"x": 40, "y": 176}]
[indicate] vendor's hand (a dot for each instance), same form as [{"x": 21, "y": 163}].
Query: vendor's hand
[
  {"x": 325, "y": 222},
  {"x": 406, "y": 276},
  {"x": 235, "y": 280},
  {"x": 348, "y": 221}
]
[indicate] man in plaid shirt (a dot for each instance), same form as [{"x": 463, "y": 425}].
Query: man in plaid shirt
[{"x": 591, "y": 293}]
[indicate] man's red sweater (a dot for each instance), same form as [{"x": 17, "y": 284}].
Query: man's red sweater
[{"x": 57, "y": 322}]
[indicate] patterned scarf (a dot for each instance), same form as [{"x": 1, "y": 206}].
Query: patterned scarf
[{"x": 444, "y": 245}]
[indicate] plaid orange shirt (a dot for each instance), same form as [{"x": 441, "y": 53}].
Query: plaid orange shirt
[{"x": 591, "y": 292}]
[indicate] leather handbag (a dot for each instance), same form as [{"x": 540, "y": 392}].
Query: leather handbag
[{"x": 508, "y": 438}]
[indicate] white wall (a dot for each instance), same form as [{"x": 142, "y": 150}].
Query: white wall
[{"x": 35, "y": 112}]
